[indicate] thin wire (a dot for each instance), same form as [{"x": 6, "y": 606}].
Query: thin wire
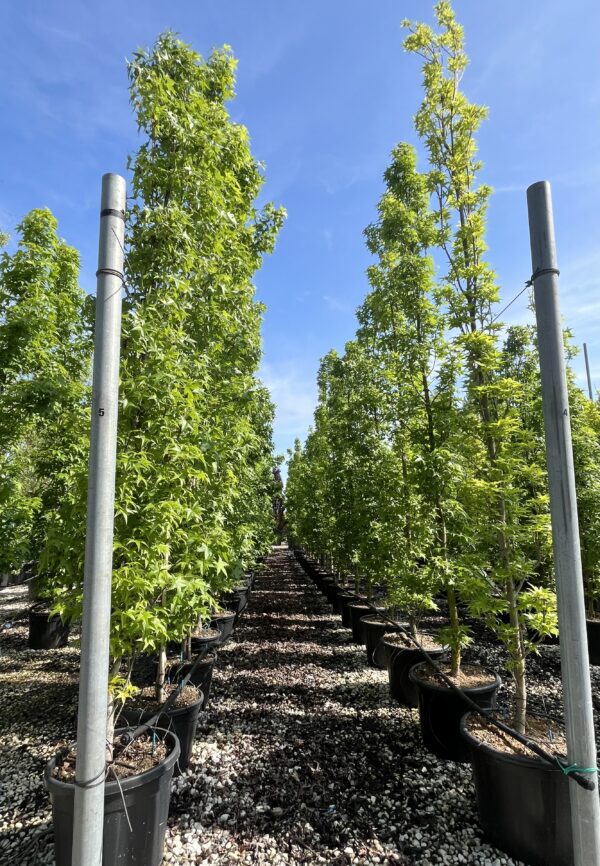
[{"x": 527, "y": 285}]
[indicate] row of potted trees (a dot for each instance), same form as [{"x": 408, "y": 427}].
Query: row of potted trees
[
  {"x": 424, "y": 473},
  {"x": 137, "y": 805},
  {"x": 523, "y": 802},
  {"x": 196, "y": 474}
]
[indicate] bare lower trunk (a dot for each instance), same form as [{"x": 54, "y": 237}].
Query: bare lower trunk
[
  {"x": 161, "y": 672},
  {"x": 113, "y": 710},
  {"x": 356, "y": 582},
  {"x": 517, "y": 659},
  {"x": 455, "y": 655},
  {"x": 413, "y": 626}
]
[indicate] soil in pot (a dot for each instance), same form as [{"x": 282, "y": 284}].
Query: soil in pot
[
  {"x": 141, "y": 797},
  {"x": 523, "y": 802},
  {"x": 201, "y": 678},
  {"x": 224, "y": 621},
  {"x": 441, "y": 709},
  {"x": 181, "y": 717},
  {"x": 374, "y": 629},
  {"x": 402, "y": 655},
  {"x": 45, "y": 631},
  {"x": 593, "y": 636},
  {"x": 204, "y": 639}
]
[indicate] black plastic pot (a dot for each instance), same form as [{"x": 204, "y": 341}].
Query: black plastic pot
[
  {"x": 441, "y": 711},
  {"x": 324, "y": 581},
  {"x": 202, "y": 676},
  {"x": 183, "y": 721},
  {"x": 45, "y": 631},
  {"x": 332, "y": 591},
  {"x": 593, "y": 636},
  {"x": 374, "y": 610},
  {"x": 344, "y": 599},
  {"x": 374, "y": 629},
  {"x": 146, "y": 798},
  {"x": 225, "y": 622},
  {"x": 523, "y": 804},
  {"x": 204, "y": 644},
  {"x": 236, "y": 600},
  {"x": 356, "y": 611},
  {"x": 337, "y": 598},
  {"x": 400, "y": 661}
]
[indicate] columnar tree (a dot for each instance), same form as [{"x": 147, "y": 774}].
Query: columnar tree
[
  {"x": 45, "y": 355},
  {"x": 448, "y": 123},
  {"x": 403, "y": 321},
  {"x": 194, "y": 426}
]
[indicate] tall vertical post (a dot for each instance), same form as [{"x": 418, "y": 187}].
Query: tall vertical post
[
  {"x": 587, "y": 370},
  {"x": 88, "y": 819},
  {"x": 585, "y": 805}
]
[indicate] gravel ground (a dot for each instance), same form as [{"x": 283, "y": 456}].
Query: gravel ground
[{"x": 302, "y": 758}]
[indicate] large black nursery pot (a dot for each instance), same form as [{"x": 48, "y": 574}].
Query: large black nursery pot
[
  {"x": 345, "y": 599},
  {"x": 441, "y": 711},
  {"x": 356, "y": 610},
  {"x": 332, "y": 590},
  {"x": 341, "y": 594},
  {"x": 182, "y": 720},
  {"x": 593, "y": 636},
  {"x": 400, "y": 661},
  {"x": 374, "y": 629},
  {"x": 225, "y": 623},
  {"x": 201, "y": 678},
  {"x": 45, "y": 631},
  {"x": 523, "y": 804},
  {"x": 374, "y": 610},
  {"x": 324, "y": 580},
  {"x": 144, "y": 799},
  {"x": 236, "y": 600}
]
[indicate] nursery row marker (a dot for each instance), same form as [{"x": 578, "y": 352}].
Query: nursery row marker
[
  {"x": 581, "y": 746},
  {"x": 88, "y": 820}
]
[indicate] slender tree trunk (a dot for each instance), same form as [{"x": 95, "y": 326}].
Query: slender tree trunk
[
  {"x": 112, "y": 707},
  {"x": 455, "y": 654}
]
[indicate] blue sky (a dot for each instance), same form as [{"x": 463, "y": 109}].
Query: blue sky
[{"x": 326, "y": 91}]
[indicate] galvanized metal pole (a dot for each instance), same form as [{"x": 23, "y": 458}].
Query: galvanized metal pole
[
  {"x": 88, "y": 819},
  {"x": 587, "y": 370},
  {"x": 585, "y": 805}
]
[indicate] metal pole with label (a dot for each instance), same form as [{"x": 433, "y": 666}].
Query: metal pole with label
[
  {"x": 579, "y": 721},
  {"x": 88, "y": 820}
]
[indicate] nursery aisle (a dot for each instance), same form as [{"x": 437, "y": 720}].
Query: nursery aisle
[{"x": 301, "y": 757}]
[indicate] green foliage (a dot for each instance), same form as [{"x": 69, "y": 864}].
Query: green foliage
[
  {"x": 44, "y": 364},
  {"x": 194, "y": 470},
  {"x": 507, "y": 505}
]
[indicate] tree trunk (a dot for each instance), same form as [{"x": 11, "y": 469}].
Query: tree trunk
[
  {"x": 112, "y": 711},
  {"x": 455, "y": 655}
]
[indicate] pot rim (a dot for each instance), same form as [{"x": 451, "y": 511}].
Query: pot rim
[
  {"x": 413, "y": 675},
  {"x": 439, "y": 648},
  {"x": 374, "y": 616},
  {"x": 223, "y": 615},
  {"x": 112, "y": 787},
  {"x": 176, "y": 711},
  {"x": 506, "y": 757}
]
